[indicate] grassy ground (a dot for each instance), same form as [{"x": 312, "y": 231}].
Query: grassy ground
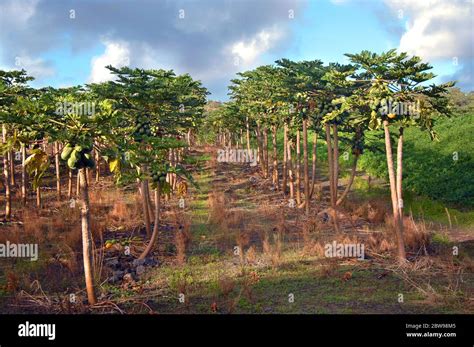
[
  {"x": 215, "y": 279},
  {"x": 249, "y": 252}
]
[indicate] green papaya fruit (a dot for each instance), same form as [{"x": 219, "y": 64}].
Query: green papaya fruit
[
  {"x": 72, "y": 162},
  {"x": 66, "y": 152},
  {"x": 75, "y": 154},
  {"x": 78, "y": 148}
]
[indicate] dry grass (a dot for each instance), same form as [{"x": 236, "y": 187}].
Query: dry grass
[
  {"x": 217, "y": 204},
  {"x": 183, "y": 236},
  {"x": 251, "y": 255},
  {"x": 226, "y": 285},
  {"x": 272, "y": 247},
  {"x": 415, "y": 235},
  {"x": 373, "y": 211},
  {"x": 379, "y": 244}
]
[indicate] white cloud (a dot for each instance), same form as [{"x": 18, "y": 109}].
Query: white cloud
[
  {"x": 116, "y": 54},
  {"x": 249, "y": 50},
  {"x": 436, "y": 29},
  {"x": 38, "y": 68}
]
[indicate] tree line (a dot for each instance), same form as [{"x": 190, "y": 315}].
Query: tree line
[
  {"x": 137, "y": 127},
  {"x": 341, "y": 103}
]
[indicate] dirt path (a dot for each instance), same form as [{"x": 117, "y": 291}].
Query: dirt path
[{"x": 249, "y": 254}]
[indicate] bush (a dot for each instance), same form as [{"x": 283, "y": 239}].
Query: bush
[{"x": 430, "y": 168}]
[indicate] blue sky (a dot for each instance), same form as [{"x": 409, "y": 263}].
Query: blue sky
[{"x": 212, "y": 40}]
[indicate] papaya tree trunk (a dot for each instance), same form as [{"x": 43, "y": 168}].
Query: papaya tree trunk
[
  {"x": 58, "y": 173},
  {"x": 336, "y": 159},
  {"x": 189, "y": 138},
  {"x": 285, "y": 158},
  {"x": 265, "y": 152},
  {"x": 336, "y": 172},
  {"x": 248, "y": 134},
  {"x": 78, "y": 185},
  {"x": 400, "y": 173},
  {"x": 97, "y": 166},
  {"x": 276, "y": 182},
  {"x": 87, "y": 248},
  {"x": 305, "y": 165},
  {"x": 298, "y": 168},
  {"x": 351, "y": 180},
  {"x": 260, "y": 150},
  {"x": 146, "y": 214},
  {"x": 23, "y": 174},
  {"x": 331, "y": 177},
  {"x": 69, "y": 184},
  {"x": 38, "y": 197},
  {"x": 154, "y": 236},
  {"x": 11, "y": 160},
  {"x": 314, "y": 158},
  {"x": 330, "y": 162},
  {"x": 6, "y": 174},
  {"x": 175, "y": 162},
  {"x": 291, "y": 178},
  {"x": 150, "y": 203},
  {"x": 393, "y": 192},
  {"x": 89, "y": 175}
]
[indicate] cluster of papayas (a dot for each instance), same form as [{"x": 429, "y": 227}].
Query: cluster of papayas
[
  {"x": 78, "y": 157},
  {"x": 142, "y": 128},
  {"x": 158, "y": 176},
  {"x": 323, "y": 108}
]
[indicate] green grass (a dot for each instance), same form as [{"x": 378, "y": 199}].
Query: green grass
[
  {"x": 430, "y": 167},
  {"x": 422, "y": 207},
  {"x": 313, "y": 292}
]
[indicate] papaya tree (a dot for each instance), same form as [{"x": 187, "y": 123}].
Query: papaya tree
[
  {"x": 13, "y": 92},
  {"x": 395, "y": 88},
  {"x": 155, "y": 108}
]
